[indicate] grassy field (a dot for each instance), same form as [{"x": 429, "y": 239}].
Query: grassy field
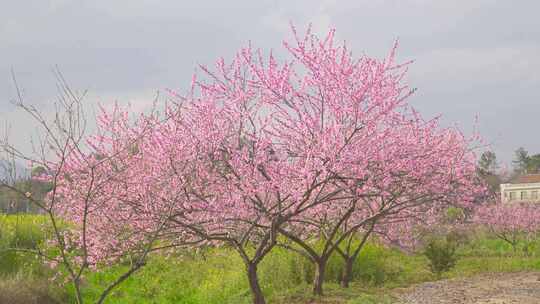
[{"x": 217, "y": 275}]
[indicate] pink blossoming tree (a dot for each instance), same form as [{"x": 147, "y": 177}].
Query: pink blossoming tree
[
  {"x": 263, "y": 147},
  {"x": 512, "y": 223},
  {"x": 108, "y": 202}
]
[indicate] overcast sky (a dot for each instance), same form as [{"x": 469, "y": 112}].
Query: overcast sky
[{"x": 472, "y": 57}]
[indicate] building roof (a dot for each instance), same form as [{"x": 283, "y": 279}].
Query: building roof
[{"x": 527, "y": 179}]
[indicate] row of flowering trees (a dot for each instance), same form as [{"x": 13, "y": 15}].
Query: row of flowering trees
[{"x": 259, "y": 153}]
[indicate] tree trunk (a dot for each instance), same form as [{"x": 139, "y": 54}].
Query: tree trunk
[
  {"x": 318, "y": 280},
  {"x": 347, "y": 272},
  {"x": 256, "y": 292}
]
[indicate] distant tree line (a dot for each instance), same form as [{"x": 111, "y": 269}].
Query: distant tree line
[{"x": 523, "y": 163}]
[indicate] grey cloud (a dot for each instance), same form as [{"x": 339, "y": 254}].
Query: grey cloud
[{"x": 471, "y": 56}]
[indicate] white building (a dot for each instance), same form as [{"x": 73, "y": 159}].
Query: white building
[{"x": 524, "y": 188}]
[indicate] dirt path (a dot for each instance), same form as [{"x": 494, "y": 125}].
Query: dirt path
[{"x": 518, "y": 288}]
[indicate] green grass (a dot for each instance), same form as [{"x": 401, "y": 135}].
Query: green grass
[
  {"x": 216, "y": 279},
  {"x": 23, "y": 277},
  {"x": 25, "y": 232},
  {"x": 217, "y": 275}
]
